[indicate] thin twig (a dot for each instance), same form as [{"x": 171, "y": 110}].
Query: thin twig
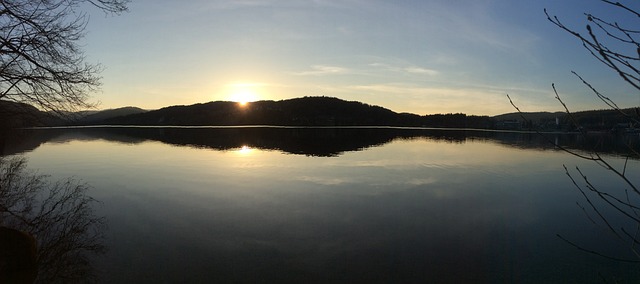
[{"x": 596, "y": 253}]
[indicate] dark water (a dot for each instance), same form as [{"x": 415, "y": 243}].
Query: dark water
[{"x": 281, "y": 205}]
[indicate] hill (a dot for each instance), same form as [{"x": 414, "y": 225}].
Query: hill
[
  {"x": 532, "y": 116},
  {"x": 311, "y": 111},
  {"x": 597, "y": 120},
  {"x": 301, "y": 111},
  {"x": 14, "y": 115},
  {"x": 98, "y": 117},
  {"x": 306, "y": 111},
  {"x": 608, "y": 119}
]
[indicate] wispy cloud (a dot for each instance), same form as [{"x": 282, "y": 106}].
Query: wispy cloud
[
  {"x": 418, "y": 70},
  {"x": 220, "y": 5},
  {"x": 449, "y": 91},
  {"x": 424, "y": 99},
  {"x": 406, "y": 69},
  {"x": 240, "y": 4},
  {"x": 321, "y": 70}
]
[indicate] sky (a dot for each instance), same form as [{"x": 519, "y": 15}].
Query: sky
[{"x": 417, "y": 56}]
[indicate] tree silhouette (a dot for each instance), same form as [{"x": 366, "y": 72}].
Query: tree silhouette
[
  {"x": 616, "y": 208},
  {"x": 41, "y": 63}
]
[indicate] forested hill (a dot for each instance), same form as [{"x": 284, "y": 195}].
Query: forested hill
[
  {"x": 306, "y": 111},
  {"x": 309, "y": 111},
  {"x": 15, "y": 115}
]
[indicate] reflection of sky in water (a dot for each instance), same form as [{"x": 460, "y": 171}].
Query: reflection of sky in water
[{"x": 411, "y": 209}]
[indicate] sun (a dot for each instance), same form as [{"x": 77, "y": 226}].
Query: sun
[
  {"x": 244, "y": 97},
  {"x": 243, "y": 93}
]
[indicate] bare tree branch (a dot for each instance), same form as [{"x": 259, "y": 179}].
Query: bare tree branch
[
  {"x": 41, "y": 62},
  {"x": 617, "y": 48}
]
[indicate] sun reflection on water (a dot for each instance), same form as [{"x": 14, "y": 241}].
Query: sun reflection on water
[{"x": 244, "y": 150}]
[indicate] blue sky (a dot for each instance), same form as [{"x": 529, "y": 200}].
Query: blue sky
[{"x": 419, "y": 56}]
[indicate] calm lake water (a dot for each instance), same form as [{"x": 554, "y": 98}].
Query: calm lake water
[{"x": 282, "y": 205}]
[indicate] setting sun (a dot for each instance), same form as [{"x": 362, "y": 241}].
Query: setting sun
[
  {"x": 243, "y": 93},
  {"x": 244, "y": 97}
]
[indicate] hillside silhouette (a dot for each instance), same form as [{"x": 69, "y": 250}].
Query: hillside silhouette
[
  {"x": 100, "y": 116},
  {"x": 310, "y": 111},
  {"x": 306, "y": 111},
  {"x": 594, "y": 120},
  {"x": 16, "y": 115}
]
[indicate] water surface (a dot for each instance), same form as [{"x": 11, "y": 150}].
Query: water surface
[{"x": 333, "y": 205}]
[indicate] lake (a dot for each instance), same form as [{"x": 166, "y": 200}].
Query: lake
[{"x": 337, "y": 205}]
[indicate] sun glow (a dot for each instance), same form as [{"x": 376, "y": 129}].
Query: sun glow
[
  {"x": 245, "y": 150},
  {"x": 243, "y": 93}
]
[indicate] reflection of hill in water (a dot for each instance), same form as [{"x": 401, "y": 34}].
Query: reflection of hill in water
[{"x": 306, "y": 141}]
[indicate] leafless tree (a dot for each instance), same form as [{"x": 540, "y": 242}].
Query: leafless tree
[
  {"x": 615, "y": 208},
  {"x": 41, "y": 62},
  {"x": 43, "y": 65}
]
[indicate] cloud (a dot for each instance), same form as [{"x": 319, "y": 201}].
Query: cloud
[
  {"x": 238, "y": 4},
  {"x": 411, "y": 69},
  {"x": 242, "y": 4},
  {"x": 419, "y": 70},
  {"x": 321, "y": 70},
  {"x": 489, "y": 100}
]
